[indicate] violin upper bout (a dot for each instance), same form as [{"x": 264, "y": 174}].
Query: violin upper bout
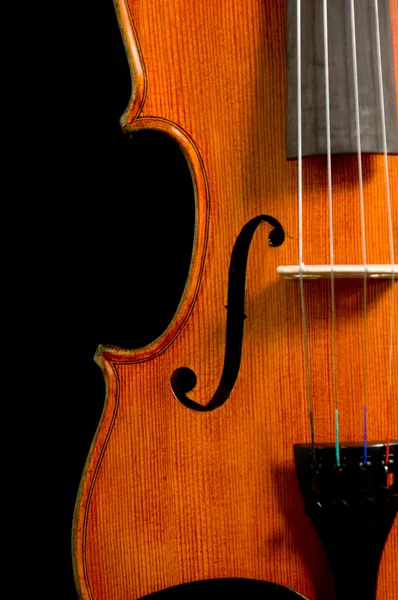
[{"x": 137, "y": 69}]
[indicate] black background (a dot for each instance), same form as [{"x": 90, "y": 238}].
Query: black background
[{"x": 127, "y": 223}]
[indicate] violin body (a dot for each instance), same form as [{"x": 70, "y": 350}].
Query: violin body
[{"x": 173, "y": 494}]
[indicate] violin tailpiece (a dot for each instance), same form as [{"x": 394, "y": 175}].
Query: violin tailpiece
[{"x": 352, "y": 507}]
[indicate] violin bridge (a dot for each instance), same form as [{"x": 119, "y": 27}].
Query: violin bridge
[{"x": 339, "y": 271}]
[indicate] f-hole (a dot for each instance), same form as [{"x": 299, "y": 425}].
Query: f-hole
[{"x": 183, "y": 380}]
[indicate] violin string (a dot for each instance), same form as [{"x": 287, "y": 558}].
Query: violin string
[
  {"x": 331, "y": 237},
  {"x": 300, "y": 228},
  {"x": 363, "y": 229},
  {"x": 390, "y": 228}
]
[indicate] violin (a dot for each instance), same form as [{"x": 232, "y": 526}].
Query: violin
[{"x": 252, "y": 447}]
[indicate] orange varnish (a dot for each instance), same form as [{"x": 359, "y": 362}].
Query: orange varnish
[{"x": 170, "y": 495}]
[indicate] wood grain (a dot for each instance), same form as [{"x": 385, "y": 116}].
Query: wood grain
[{"x": 170, "y": 495}]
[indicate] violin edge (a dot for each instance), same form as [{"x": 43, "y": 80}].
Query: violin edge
[
  {"x": 199, "y": 247},
  {"x": 88, "y": 477},
  {"x": 136, "y": 65}
]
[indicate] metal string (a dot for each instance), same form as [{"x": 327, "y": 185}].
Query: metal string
[
  {"x": 331, "y": 239},
  {"x": 390, "y": 228},
  {"x": 300, "y": 227},
  {"x": 363, "y": 230}
]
